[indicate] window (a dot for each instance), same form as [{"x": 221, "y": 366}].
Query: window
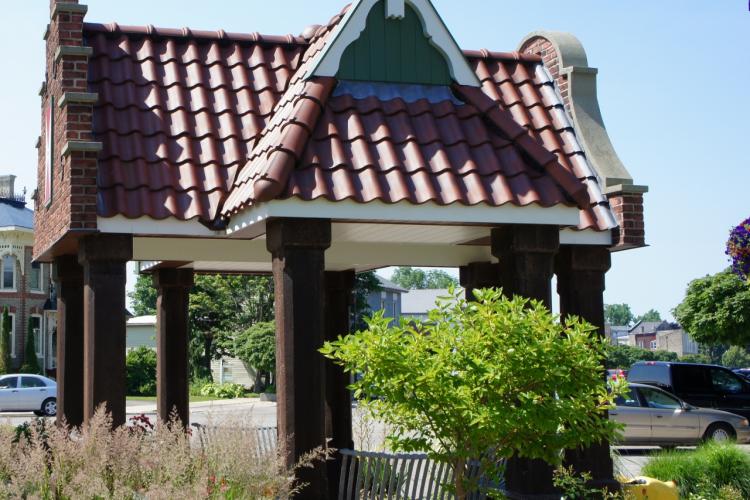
[
  {"x": 35, "y": 277},
  {"x": 655, "y": 398},
  {"x": 725, "y": 382},
  {"x": 8, "y": 382},
  {"x": 653, "y": 344},
  {"x": 9, "y": 272},
  {"x": 36, "y": 328},
  {"x": 629, "y": 399},
  {"x": 31, "y": 382}
]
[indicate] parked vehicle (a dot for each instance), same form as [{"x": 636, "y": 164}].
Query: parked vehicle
[
  {"x": 26, "y": 392},
  {"x": 705, "y": 386},
  {"x": 655, "y": 417},
  {"x": 745, "y": 372}
]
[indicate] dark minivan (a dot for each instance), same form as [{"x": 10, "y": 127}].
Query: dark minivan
[{"x": 707, "y": 386}]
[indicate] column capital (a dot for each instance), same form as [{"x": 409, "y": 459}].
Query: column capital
[
  {"x": 66, "y": 268},
  {"x": 173, "y": 278},
  {"x": 522, "y": 238},
  {"x": 585, "y": 258},
  {"x": 305, "y": 233},
  {"x": 106, "y": 247}
]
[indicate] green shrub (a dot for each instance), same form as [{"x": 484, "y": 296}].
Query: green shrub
[
  {"x": 223, "y": 391},
  {"x": 140, "y": 365},
  {"x": 712, "y": 471},
  {"x": 196, "y": 386},
  {"x": 30, "y": 361}
]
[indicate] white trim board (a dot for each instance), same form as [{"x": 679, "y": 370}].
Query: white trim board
[
  {"x": 327, "y": 62},
  {"x": 377, "y": 211},
  {"x": 585, "y": 237},
  {"x": 147, "y": 226}
]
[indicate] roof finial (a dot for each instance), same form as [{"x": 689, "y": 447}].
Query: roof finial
[{"x": 394, "y": 9}]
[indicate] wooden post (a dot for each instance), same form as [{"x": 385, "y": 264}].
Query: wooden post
[
  {"x": 103, "y": 257},
  {"x": 68, "y": 277},
  {"x": 527, "y": 256},
  {"x": 172, "y": 339},
  {"x": 338, "y": 299},
  {"x": 479, "y": 275},
  {"x": 298, "y": 247},
  {"x": 580, "y": 283}
]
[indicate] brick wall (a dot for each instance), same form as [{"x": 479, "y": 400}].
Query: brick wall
[
  {"x": 628, "y": 209},
  {"x": 544, "y": 48},
  {"x": 73, "y": 206}
]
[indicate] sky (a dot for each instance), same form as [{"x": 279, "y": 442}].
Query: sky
[{"x": 673, "y": 89}]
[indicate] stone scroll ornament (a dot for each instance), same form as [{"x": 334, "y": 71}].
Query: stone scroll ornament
[{"x": 738, "y": 249}]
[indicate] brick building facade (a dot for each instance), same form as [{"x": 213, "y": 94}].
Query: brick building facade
[{"x": 25, "y": 287}]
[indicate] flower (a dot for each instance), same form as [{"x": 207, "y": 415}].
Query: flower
[{"x": 738, "y": 249}]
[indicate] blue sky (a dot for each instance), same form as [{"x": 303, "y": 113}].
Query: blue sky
[{"x": 673, "y": 87}]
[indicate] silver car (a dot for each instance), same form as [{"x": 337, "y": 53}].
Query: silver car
[
  {"x": 25, "y": 392},
  {"x": 657, "y": 418}
]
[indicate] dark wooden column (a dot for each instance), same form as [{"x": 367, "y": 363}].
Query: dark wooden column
[
  {"x": 68, "y": 277},
  {"x": 338, "y": 300},
  {"x": 580, "y": 283},
  {"x": 479, "y": 275},
  {"x": 298, "y": 247},
  {"x": 527, "y": 255},
  {"x": 103, "y": 258},
  {"x": 172, "y": 338}
]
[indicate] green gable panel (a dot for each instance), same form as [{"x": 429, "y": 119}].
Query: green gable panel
[{"x": 395, "y": 51}]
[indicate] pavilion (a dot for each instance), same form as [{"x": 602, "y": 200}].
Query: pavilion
[{"x": 369, "y": 141}]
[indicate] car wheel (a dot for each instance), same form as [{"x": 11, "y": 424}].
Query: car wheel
[
  {"x": 49, "y": 407},
  {"x": 39, "y": 413},
  {"x": 719, "y": 432}
]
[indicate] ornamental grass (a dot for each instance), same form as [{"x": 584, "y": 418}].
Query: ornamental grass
[
  {"x": 140, "y": 461},
  {"x": 738, "y": 249}
]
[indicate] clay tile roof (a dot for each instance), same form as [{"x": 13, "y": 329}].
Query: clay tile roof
[{"x": 202, "y": 125}]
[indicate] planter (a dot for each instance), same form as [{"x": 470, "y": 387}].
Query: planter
[{"x": 268, "y": 396}]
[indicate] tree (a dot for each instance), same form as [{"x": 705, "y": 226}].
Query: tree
[
  {"x": 418, "y": 279},
  {"x": 695, "y": 358},
  {"x": 364, "y": 284},
  {"x": 5, "y": 328},
  {"x": 618, "y": 314},
  {"x": 140, "y": 370},
  {"x": 30, "y": 361},
  {"x": 623, "y": 356},
  {"x": 501, "y": 375},
  {"x": 736, "y": 357},
  {"x": 143, "y": 296},
  {"x": 652, "y": 315},
  {"x": 716, "y": 309},
  {"x": 256, "y": 346}
]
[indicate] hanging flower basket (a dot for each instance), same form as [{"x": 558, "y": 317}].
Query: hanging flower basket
[{"x": 738, "y": 249}]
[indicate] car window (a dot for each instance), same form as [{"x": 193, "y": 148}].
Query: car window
[
  {"x": 659, "y": 399},
  {"x": 28, "y": 382},
  {"x": 725, "y": 382},
  {"x": 8, "y": 382},
  {"x": 628, "y": 399},
  {"x": 691, "y": 379},
  {"x": 651, "y": 374}
]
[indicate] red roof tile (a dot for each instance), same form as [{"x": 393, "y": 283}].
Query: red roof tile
[{"x": 197, "y": 123}]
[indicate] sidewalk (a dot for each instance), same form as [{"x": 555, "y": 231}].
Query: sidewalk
[{"x": 136, "y": 407}]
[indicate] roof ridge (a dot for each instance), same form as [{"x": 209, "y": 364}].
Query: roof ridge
[
  {"x": 520, "y": 137},
  {"x": 502, "y": 56}
]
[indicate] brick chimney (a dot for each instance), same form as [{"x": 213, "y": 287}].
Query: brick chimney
[{"x": 68, "y": 158}]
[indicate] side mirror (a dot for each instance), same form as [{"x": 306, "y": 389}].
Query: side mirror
[{"x": 687, "y": 407}]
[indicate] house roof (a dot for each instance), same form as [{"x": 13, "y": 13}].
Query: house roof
[
  {"x": 420, "y": 301},
  {"x": 15, "y": 214},
  {"x": 202, "y": 125},
  {"x": 389, "y": 285}
]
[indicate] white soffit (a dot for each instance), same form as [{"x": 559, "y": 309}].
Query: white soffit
[
  {"x": 326, "y": 63},
  {"x": 146, "y": 226},
  {"x": 404, "y": 212}
]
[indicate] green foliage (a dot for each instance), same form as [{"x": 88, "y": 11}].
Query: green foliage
[
  {"x": 623, "y": 356},
  {"x": 497, "y": 372},
  {"x": 140, "y": 372},
  {"x": 575, "y": 486},
  {"x": 256, "y": 346},
  {"x": 418, "y": 279},
  {"x": 652, "y": 316},
  {"x": 30, "y": 361},
  {"x": 716, "y": 309},
  {"x": 223, "y": 391},
  {"x": 704, "y": 473},
  {"x": 364, "y": 285},
  {"x": 618, "y": 314},
  {"x": 736, "y": 357},
  {"x": 696, "y": 358},
  {"x": 5, "y": 348},
  {"x": 143, "y": 296}
]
